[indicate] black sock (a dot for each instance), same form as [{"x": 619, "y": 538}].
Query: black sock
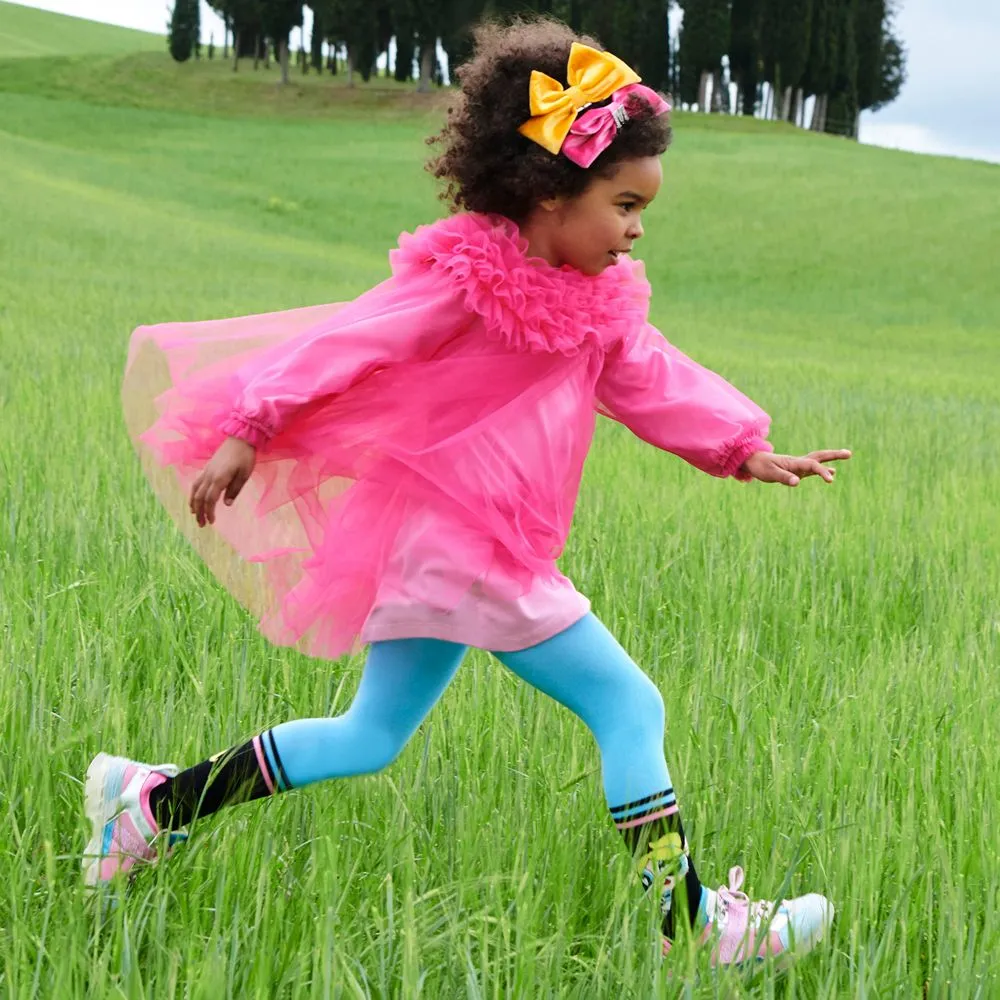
[
  {"x": 240, "y": 774},
  {"x": 658, "y": 844}
]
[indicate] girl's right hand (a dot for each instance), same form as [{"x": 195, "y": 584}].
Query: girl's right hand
[{"x": 225, "y": 475}]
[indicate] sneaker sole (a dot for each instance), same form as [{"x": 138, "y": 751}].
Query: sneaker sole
[
  {"x": 101, "y": 809},
  {"x": 802, "y": 946}
]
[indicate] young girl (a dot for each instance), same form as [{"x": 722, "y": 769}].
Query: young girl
[{"x": 408, "y": 463}]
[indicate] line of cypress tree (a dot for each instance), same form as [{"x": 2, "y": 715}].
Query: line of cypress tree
[
  {"x": 704, "y": 41},
  {"x": 892, "y": 69},
  {"x": 870, "y": 16},
  {"x": 842, "y": 107},
  {"x": 182, "y": 30},
  {"x": 843, "y": 52},
  {"x": 744, "y": 50},
  {"x": 316, "y": 41}
]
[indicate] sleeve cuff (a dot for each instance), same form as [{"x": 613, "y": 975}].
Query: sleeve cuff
[
  {"x": 741, "y": 451},
  {"x": 239, "y": 425}
]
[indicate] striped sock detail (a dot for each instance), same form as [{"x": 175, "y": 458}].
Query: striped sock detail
[
  {"x": 269, "y": 762},
  {"x": 262, "y": 763},
  {"x": 652, "y": 830},
  {"x": 646, "y": 810},
  {"x": 282, "y": 784},
  {"x": 252, "y": 770}
]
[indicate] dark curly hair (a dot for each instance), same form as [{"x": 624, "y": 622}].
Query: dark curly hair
[{"x": 489, "y": 166}]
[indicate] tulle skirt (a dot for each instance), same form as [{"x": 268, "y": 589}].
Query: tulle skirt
[{"x": 489, "y": 439}]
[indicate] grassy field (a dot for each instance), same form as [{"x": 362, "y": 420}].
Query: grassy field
[
  {"x": 828, "y": 655},
  {"x": 27, "y": 32}
]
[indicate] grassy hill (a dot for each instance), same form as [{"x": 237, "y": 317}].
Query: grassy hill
[
  {"x": 27, "y": 32},
  {"x": 827, "y": 655}
]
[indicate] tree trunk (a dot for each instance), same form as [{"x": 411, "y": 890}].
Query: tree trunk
[
  {"x": 350, "y": 66},
  {"x": 236, "y": 51},
  {"x": 822, "y": 113},
  {"x": 225, "y": 41},
  {"x": 786, "y": 104},
  {"x": 575, "y": 16},
  {"x": 283, "y": 59},
  {"x": 814, "y": 122},
  {"x": 720, "y": 94},
  {"x": 706, "y": 76},
  {"x": 797, "y": 109},
  {"x": 256, "y": 52},
  {"x": 426, "y": 67}
]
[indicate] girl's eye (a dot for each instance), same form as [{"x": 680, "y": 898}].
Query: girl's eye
[{"x": 629, "y": 206}]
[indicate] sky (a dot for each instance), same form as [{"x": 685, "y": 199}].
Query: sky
[{"x": 949, "y": 105}]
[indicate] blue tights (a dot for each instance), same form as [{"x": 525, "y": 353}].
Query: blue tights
[{"x": 583, "y": 668}]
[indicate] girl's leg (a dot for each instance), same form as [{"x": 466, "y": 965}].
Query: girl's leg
[
  {"x": 585, "y": 669},
  {"x": 130, "y": 804},
  {"x": 401, "y": 682}
]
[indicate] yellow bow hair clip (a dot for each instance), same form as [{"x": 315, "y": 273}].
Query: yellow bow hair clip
[{"x": 593, "y": 76}]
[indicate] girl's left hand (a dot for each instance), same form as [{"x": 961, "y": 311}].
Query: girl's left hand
[{"x": 791, "y": 469}]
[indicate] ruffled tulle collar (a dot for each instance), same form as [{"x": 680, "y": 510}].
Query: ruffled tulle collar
[{"x": 524, "y": 301}]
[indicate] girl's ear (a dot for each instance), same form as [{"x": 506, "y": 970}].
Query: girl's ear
[{"x": 551, "y": 204}]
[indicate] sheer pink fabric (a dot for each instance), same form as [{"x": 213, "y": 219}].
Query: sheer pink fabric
[{"x": 453, "y": 404}]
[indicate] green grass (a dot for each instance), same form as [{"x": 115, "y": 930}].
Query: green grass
[
  {"x": 25, "y": 31},
  {"x": 828, "y": 655}
]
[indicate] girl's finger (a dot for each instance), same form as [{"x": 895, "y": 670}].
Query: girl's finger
[
  {"x": 233, "y": 489},
  {"x": 202, "y": 502},
  {"x": 195, "y": 486},
  {"x": 197, "y": 497},
  {"x": 830, "y": 455},
  {"x": 211, "y": 499},
  {"x": 810, "y": 467},
  {"x": 823, "y": 472}
]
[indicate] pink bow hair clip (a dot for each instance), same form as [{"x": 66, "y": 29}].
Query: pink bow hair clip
[{"x": 595, "y": 130}]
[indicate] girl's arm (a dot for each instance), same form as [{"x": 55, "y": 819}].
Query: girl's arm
[
  {"x": 395, "y": 321},
  {"x": 674, "y": 403}
]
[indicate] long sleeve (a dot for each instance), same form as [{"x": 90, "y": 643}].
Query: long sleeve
[
  {"x": 672, "y": 402},
  {"x": 398, "y": 320}
]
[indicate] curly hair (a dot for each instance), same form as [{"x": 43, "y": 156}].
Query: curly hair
[{"x": 488, "y": 165}]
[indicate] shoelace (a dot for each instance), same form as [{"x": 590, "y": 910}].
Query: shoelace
[{"x": 731, "y": 898}]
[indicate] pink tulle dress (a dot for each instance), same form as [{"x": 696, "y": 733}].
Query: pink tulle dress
[{"x": 420, "y": 449}]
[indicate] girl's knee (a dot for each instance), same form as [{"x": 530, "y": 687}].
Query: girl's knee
[
  {"x": 384, "y": 749},
  {"x": 650, "y": 714},
  {"x": 378, "y": 747},
  {"x": 633, "y": 711}
]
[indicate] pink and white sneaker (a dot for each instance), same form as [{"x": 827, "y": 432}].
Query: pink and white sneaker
[
  {"x": 745, "y": 933},
  {"x": 123, "y": 829}
]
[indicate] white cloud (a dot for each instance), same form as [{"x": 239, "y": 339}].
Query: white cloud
[
  {"x": 146, "y": 15},
  {"x": 952, "y": 72},
  {"x": 920, "y": 139}
]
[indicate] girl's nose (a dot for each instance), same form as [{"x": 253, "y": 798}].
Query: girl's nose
[{"x": 635, "y": 230}]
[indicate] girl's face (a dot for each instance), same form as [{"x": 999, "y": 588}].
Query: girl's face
[{"x": 589, "y": 232}]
